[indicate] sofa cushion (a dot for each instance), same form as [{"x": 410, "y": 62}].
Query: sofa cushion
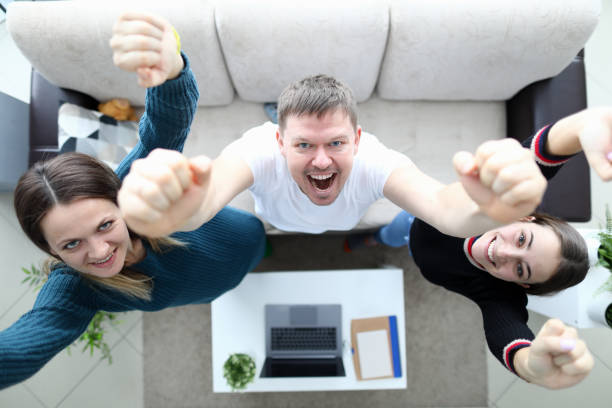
[
  {"x": 271, "y": 43},
  {"x": 480, "y": 50},
  {"x": 80, "y": 58}
]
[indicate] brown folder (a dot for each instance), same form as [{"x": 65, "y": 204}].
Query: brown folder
[{"x": 385, "y": 351}]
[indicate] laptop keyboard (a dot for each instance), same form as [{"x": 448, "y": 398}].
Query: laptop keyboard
[{"x": 303, "y": 338}]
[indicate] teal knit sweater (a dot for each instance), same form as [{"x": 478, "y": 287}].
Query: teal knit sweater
[{"x": 213, "y": 260}]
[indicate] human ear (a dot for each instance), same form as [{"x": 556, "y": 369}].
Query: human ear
[
  {"x": 281, "y": 144},
  {"x": 523, "y": 285},
  {"x": 528, "y": 218},
  {"x": 357, "y": 139}
]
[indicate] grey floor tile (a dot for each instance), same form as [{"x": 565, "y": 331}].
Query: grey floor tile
[
  {"x": 122, "y": 381},
  {"x": 593, "y": 392}
]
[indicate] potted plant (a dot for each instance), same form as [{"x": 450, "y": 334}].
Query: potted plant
[
  {"x": 601, "y": 308},
  {"x": 239, "y": 370}
]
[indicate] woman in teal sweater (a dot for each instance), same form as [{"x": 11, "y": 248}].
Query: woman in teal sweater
[{"x": 68, "y": 207}]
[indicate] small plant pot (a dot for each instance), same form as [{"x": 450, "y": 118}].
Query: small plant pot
[
  {"x": 239, "y": 371},
  {"x": 600, "y": 309}
]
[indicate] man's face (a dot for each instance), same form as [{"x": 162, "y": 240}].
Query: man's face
[{"x": 319, "y": 153}]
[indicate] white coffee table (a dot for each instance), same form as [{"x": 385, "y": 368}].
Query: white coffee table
[{"x": 238, "y": 321}]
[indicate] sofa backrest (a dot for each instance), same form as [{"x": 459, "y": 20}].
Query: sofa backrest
[
  {"x": 68, "y": 43},
  {"x": 406, "y": 50}
]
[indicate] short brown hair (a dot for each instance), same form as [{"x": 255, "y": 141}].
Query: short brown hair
[
  {"x": 317, "y": 94},
  {"x": 574, "y": 263}
]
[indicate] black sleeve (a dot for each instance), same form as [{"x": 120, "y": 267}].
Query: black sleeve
[{"x": 549, "y": 164}]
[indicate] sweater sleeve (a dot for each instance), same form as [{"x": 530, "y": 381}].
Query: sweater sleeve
[
  {"x": 549, "y": 164},
  {"x": 169, "y": 111},
  {"x": 58, "y": 318},
  {"x": 504, "y": 316},
  {"x": 505, "y": 326}
]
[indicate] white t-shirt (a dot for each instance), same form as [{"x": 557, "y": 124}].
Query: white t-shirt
[{"x": 279, "y": 200}]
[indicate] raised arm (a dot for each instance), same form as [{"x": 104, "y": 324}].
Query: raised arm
[
  {"x": 499, "y": 184},
  {"x": 167, "y": 192},
  {"x": 149, "y": 46},
  {"x": 590, "y": 131},
  {"x": 27, "y": 345}
]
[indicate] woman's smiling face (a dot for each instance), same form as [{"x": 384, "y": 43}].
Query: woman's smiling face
[
  {"x": 522, "y": 252},
  {"x": 89, "y": 235}
]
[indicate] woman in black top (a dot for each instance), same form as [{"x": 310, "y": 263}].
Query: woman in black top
[{"x": 536, "y": 255}]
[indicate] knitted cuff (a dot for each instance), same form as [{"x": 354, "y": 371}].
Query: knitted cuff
[
  {"x": 511, "y": 349},
  {"x": 538, "y": 147}
]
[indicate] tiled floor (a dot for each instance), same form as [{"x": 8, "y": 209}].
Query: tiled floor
[{"x": 80, "y": 380}]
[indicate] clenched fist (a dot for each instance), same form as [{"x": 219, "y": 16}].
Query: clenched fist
[
  {"x": 502, "y": 178},
  {"x": 556, "y": 359},
  {"x": 146, "y": 44},
  {"x": 163, "y": 191}
]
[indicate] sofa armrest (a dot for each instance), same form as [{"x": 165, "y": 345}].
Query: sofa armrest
[
  {"x": 45, "y": 100},
  {"x": 568, "y": 195}
]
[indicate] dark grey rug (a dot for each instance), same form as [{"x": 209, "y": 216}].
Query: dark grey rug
[{"x": 445, "y": 348}]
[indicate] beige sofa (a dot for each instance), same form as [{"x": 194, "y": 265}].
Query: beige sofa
[{"x": 431, "y": 76}]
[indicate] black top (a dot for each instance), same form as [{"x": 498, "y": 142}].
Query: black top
[{"x": 443, "y": 260}]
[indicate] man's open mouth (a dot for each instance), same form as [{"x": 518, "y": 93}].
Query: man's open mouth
[{"x": 322, "y": 181}]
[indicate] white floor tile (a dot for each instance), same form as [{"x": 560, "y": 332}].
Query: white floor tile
[
  {"x": 119, "y": 385},
  {"x": 597, "y": 50},
  {"x": 58, "y": 378},
  {"x": 599, "y": 341},
  {"x": 499, "y": 378},
  {"x": 134, "y": 336},
  {"x": 18, "y": 396},
  {"x": 127, "y": 321},
  {"x": 15, "y": 68},
  {"x": 7, "y": 210},
  {"x": 593, "y": 392},
  {"x": 16, "y": 251}
]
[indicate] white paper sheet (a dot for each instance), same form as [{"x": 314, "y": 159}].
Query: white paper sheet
[{"x": 374, "y": 355}]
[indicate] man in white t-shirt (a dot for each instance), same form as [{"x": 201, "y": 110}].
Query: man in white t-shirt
[{"x": 318, "y": 171}]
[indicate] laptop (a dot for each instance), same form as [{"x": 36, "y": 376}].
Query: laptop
[{"x": 303, "y": 341}]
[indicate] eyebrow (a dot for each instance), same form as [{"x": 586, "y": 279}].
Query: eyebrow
[
  {"x": 528, "y": 247},
  {"x": 302, "y": 139}
]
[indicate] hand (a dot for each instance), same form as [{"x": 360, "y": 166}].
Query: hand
[
  {"x": 557, "y": 358},
  {"x": 502, "y": 178},
  {"x": 145, "y": 44},
  {"x": 596, "y": 140},
  {"x": 163, "y": 191}
]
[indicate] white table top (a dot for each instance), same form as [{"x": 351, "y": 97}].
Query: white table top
[{"x": 238, "y": 324}]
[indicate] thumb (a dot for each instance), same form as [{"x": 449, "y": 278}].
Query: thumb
[
  {"x": 552, "y": 327},
  {"x": 465, "y": 163},
  {"x": 144, "y": 76},
  {"x": 201, "y": 169}
]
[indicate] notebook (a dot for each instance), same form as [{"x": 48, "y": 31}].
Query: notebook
[{"x": 375, "y": 348}]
